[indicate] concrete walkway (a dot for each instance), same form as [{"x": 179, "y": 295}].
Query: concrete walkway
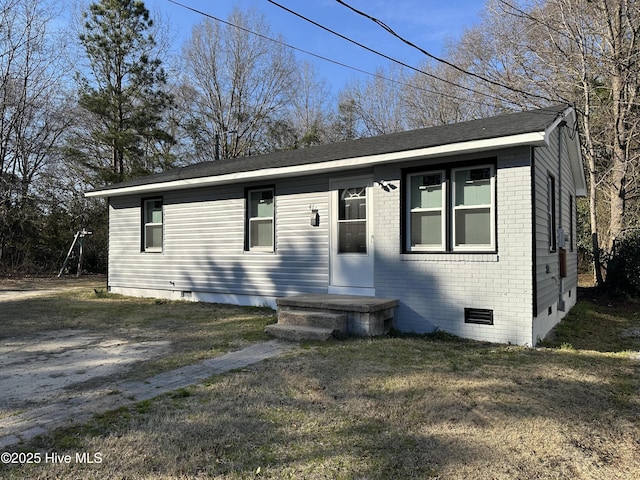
[{"x": 81, "y": 408}]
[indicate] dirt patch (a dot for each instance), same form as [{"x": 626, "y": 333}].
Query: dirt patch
[
  {"x": 41, "y": 367},
  {"x": 12, "y": 289}
]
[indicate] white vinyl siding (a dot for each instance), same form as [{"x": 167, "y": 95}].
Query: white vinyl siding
[{"x": 204, "y": 249}]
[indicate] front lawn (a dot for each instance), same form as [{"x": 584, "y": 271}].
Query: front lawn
[{"x": 387, "y": 408}]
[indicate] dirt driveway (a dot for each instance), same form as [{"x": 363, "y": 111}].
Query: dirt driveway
[
  {"x": 30, "y": 287},
  {"x": 41, "y": 367}
]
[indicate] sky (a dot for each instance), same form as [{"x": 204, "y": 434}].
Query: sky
[{"x": 427, "y": 23}]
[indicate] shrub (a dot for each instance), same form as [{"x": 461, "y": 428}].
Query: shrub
[{"x": 623, "y": 268}]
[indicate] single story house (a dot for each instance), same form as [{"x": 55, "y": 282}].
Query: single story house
[{"x": 471, "y": 227}]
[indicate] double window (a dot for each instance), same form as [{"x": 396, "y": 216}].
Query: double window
[
  {"x": 152, "y": 225},
  {"x": 260, "y": 220},
  {"x": 451, "y": 210}
]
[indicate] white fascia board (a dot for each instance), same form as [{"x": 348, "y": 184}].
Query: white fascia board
[
  {"x": 533, "y": 139},
  {"x": 575, "y": 156}
]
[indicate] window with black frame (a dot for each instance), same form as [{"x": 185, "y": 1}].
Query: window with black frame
[{"x": 451, "y": 210}]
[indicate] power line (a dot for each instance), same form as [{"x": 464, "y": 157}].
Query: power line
[
  {"x": 344, "y": 37},
  {"x": 385, "y": 27},
  {"x": 341, "y": 64},
  {"x": 321, "y": 57}
]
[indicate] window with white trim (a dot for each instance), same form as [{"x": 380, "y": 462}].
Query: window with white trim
[
  {"x": 571, "y": 215},
  {"x": 352, "y": 220},
  {"x": 153, "y": 224},
  {"x": 427, "y": 200},
  {"x": 451, "y": 210},
  {"x": 260, "y": 220},
  {"x": 473, "y": 211}
]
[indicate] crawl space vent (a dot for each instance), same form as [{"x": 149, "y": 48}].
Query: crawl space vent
[{"x": 478, "y": 315}]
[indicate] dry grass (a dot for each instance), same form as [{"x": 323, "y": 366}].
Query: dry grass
[
  {"x": 195, "y": 330},
  {"x": 376, "y": 409}
]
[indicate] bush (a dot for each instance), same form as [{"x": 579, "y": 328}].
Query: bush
[{"x": 623, "y": 268}]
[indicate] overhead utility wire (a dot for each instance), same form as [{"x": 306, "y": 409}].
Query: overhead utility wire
[
  {"x": 326, "y": 59},
  {"x": 335, "y": 62},
  {"x": 438, "y": 59},
  {"x": 344, "y": 37}
]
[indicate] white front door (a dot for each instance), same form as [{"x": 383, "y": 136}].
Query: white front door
[{"x": 351, "y": 237}]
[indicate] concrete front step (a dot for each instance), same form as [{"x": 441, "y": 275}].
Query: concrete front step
[
  {"x": 313, "y": 318},
  {"x": 366, "y": 316},
  {"x": 299, "y": 332}
]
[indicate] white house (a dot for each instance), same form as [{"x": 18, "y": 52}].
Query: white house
[{"x": 471, "y": 227}]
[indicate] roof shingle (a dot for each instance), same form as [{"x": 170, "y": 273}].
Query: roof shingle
[{"x": 487, "y": 128}]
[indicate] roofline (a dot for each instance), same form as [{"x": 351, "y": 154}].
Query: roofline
[
  {"x": 577, "y": 168},
  {"x": 533, "y": 138}
]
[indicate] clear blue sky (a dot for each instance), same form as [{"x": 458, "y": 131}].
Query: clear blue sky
[{"x": 427, "y": 23}]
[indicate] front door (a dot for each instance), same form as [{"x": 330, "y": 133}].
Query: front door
[{"x": 351, "y": 237}]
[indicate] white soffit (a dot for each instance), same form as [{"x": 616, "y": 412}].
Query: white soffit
[{"x": 533, "y": 139}]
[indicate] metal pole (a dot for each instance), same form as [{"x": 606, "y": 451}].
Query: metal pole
[
  {"x": 80, "y": 245},
  {"x": 66, "y": 260}
]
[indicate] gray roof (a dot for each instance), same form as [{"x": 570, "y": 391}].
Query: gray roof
[{"x": 487, "y": 128}]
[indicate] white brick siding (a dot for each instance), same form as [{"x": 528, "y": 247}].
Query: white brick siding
[{"x": 434, "y": 289}]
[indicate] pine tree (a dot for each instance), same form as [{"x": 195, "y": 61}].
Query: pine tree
[{"x": 123, "y": 92}]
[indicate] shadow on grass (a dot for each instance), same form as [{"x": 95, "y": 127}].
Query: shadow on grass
[{"x": 385, "y": 408}]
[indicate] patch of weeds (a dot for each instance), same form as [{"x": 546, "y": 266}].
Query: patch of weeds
[
  {"x": 74, "y": 438},
  {"x": 442, "y": 336},
  {"x": 101, "y": 293},
  {"x": 144, "y": 406},
  {"x": 181, "y": 393},
  {"x": 436, "y": 335}
]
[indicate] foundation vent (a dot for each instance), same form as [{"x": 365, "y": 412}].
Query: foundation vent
[{"x": 478, "y": 315}]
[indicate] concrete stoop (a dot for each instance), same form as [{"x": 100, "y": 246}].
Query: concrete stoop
[
  {"x": 308, "y": 325},
  {"x": 321, "y": 317},
  {"x": 298, "y": 333}
]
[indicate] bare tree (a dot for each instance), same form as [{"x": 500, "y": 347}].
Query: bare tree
[
  {"x": 441, "y": 96},
  {"x": 378, "y": 104},
  {"x": 577, "y": 52},
  {"x": 309, "y": 106},
  {"x": 236, "y": 83},
  {"x": 32, "y": 119}
]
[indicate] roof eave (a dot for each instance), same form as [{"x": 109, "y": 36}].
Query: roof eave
[
  {"x": 576, "y": 163},
  {"x": 531, "y": 139}
]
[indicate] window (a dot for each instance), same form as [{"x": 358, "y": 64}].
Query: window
[
  {"x": 352, "y": 220},
  {"x": 551, "y": 212},
  {"x": 260, "y": 220},
  {"x": 427, "y": 203},
  {"x": 571, "y": 207},
  {"x": 451, "y": 210},
  {"x": 152, "y": 220},
  {"x": 473, "y": 226}
]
